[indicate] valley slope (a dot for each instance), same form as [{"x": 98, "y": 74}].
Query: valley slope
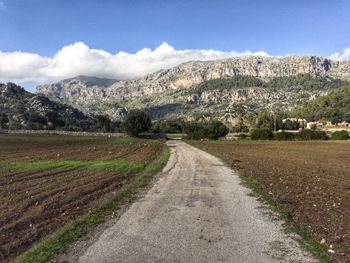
[{"x": 20, "y": 109}]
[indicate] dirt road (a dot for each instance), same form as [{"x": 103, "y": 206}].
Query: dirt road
[{"x": 196, "y": 212}]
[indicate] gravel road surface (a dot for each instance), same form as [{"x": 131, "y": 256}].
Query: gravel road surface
[{"x": 196, "y": 212}]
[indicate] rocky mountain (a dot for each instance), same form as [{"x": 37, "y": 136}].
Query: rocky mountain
[
  {"x": 79, "y": 92},
  {"x": 173, "y": 92},
  {"x": 22, "y": 109}
]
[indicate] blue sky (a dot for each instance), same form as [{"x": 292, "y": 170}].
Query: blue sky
[
  {"x": 301, "y": 27},
  {"x": 278, "y": 27}
]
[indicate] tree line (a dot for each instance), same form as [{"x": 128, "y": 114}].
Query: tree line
[
  {"x": 300, "y": 81},
  {"x": 334, "y": 107}
]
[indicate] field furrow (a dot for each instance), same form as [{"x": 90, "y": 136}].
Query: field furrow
[
  {"x": 310, "y": 180},
  {"x": 47, "y": 181}
]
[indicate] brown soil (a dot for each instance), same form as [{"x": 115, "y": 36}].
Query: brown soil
[
  {"x": 311, "y": 180},
  {"x": 35, "y": 204}
]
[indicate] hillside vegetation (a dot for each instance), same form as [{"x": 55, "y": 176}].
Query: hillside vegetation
[
  {"x": 20, "y": 109},
  {"x": 241, "y": 96},
  {"x": 298, "y": 82},
  {"x": 334, "y": 107}
]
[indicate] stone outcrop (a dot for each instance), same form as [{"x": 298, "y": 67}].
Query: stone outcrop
[{"x": 77, "y": 91}]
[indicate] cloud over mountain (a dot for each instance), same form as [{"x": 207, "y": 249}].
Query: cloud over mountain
[
  {"x": 79, "y": 59},
  {"x": 342, "y": 56}
]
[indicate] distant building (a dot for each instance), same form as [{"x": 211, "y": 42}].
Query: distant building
[
  {"x": 343, "y": 124},
  {"x": 312, "y": 125}
]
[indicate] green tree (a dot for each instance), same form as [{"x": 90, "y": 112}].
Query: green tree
[
  {"x": 137, "y": 121},
  {"x": 269, "y": 120},
  {"x": 201, "y": 130},
  {"x": 15, "y": 125},
  {"x": 240, "y": 127},
  {"x": 172, "y": 126},
  {"x": 263, "y": 120},
  {"x": 195, "y": 130},
  {"x": 117, "y": 126},
  {"x": 291, "y": 125},
  {"x": 334, "y": 107},
  {"x": 34, "y": 117},
  {"x": 261, "y": 134},
  {"x": 216, "y": 129},
  {"x": 3, "y": 121},
  {"x": 102, "y": 123}
]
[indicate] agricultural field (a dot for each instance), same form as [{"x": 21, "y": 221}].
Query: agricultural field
[
  {"x": 310, "y": 181},
  {"x": 47, "y": 181}
]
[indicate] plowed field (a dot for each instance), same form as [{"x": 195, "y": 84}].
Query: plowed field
[
  {"x": 47, "y": 181},
  {"x": 310, "y": 179}
]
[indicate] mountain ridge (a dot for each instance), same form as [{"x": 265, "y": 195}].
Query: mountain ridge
[{"x": 115, "y": 99}]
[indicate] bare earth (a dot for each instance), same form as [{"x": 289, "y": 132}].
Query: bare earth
[{"x": 196, "y": 212}]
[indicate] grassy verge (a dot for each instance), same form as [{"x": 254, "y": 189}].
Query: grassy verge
[
  {"x": 93, "y": 165},
  {"x": 274, "y": 202},
  {"x": 60, "y": 241},
  {"x": 174, "y": 136}
]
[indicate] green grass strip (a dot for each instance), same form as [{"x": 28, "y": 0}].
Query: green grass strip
[
  {"x": 58, "y": 243},
  {"x": 309, "y": 243},
  {"x": 93, "y": 165},
  {"x": 174, "y": 136}
]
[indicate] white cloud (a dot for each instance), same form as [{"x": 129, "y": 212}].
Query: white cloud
[
  {"x": 342, "y": 56},
  {"x": 79, "y": 59}
]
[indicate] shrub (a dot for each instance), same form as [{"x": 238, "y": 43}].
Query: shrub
[
  {"x": 3, "y": 120},
  {"x": 117, "y": 126},
  {"x": 312, "y": 135},
  {"x": 15, "y": 125},
  {"x": 195, "y": 130},
  {"x": 35, "y": 117},
  {"x": 102, "y": 123},
  {"x": 268, "y": 120},
  {"x": 155, "y": 127},
  {"x": 284, "y": 136},
  {"x": 261, "y": 134},
  {"x": 216, "y": 129},
  {"x": 242, "y": 136},
  {"x": 136, "y": 122},
  {"x": 291, "y": 125},
  {"x": 340, "y": 135},
  {"x": 240, "y": 127},
  {"x": 211, "y": 130},
  {"x": 34, "y": 126},
  {"x": 172, "y": 126}
]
